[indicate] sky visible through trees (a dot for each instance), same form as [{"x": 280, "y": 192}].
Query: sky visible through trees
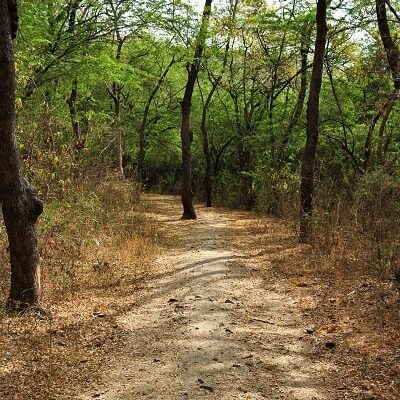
[{"x": 288, "y": 108}]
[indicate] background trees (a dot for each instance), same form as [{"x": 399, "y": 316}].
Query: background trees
[
  {"x": 99, "y": 84},
  {"x": 248, "y": 106}
]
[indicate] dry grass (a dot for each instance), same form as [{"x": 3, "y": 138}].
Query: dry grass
[
  {"x": 342, "y": 299},
  {"x": 99, "y": 243},
  {"x": 96, "y": 249}
]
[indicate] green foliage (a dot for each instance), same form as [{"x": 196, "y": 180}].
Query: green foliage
[{"x": 252, "y": 53}]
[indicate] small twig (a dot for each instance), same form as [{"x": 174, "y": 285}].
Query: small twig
[{"x": 262, "y": 320}]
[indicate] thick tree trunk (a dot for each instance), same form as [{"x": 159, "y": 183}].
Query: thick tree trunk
[
  {"x": 392, "y": 51},
  {"x": 20, "y": 206},
  {"x": 307, "y": 175},
  {"x": 186, "y": 107},
  {"x": 393, "y": 58}
]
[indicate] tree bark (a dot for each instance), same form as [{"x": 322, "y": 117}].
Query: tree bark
[
  {"x": 308, "y": 167},
  {"x": 393, "y": 58},
  {"x": 382, "y": 143},
  {"x": 298, "y": 109},
  {"x": 20, "y": 206},
  {"x": 142, "y": 128},
  {"x": 186, "y": 107},
  {"x": 117, "y": 130},
  {"x": 391, "y": 49},
  {"x": 78, "y": 141},
  {"x": 115, "y": 93},
  {"x": 208, "y": 179},
  {"x": 206, "y": 147}
]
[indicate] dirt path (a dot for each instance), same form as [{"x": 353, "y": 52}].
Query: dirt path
[{"x": 207, "y": 328}]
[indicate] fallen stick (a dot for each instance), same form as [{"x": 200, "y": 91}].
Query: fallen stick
[{"x": 262, "y": 320}]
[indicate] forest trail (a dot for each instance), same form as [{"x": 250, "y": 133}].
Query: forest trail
[{"x": 206, "y": 327}]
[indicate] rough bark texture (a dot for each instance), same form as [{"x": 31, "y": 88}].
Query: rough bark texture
[
  {"x": 393, "y": 57},
  {"x": 20, "y": 206},
  {"x": 391, "y": 49},
  {"x": 186, "y": 107},
  {"x": 307, "y": 173}
]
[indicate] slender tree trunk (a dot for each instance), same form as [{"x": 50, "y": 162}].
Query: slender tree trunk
[
  {"x": 118, "y": 131},
  {"x": 142, "y": 128},
  {"x": 244, "y": 156},
  {"x": 186, "y": 107},
  {"x": 71, "y": 101},
  {"x": 298, "y": 109},
  {"x": 380, "y": 153},
  {"x": 206, "y": 148},
  {"x": 208, "y": 183},
  {"x": 384, "y": 114},
  {"x": 307, "y": 175},
  {"x": 20, "y": 206},
  {"x": 115, "y": 93},
  {"x": 77, "y": 141}
]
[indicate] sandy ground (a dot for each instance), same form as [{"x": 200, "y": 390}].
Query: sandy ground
[{"x": 206, "y": 327}]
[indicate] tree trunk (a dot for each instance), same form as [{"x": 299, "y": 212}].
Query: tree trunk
[
  {"x": 206, "y": 149},
  {"x": 391, "y": 49},
  {"x": 380, "y": 153},
  {"x": 117, "y": 131},
  {"x": 20, "y": 206},
  {"x": 208, "y": 182},
  {"x": 142, "y": 129},
  {"x": 77, "y": 140},
  {"x": 298, "y": 109},
  {"x": 307, "y": 175},
  {"x": 393, "y": 58},
  {"x": 115, "y": 93},
  {"x": 186, "y": 106}
]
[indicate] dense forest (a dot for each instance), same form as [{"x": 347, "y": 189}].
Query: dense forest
[
  {"x": 139, "y": 87},
  {"x": 285, "y": 108}
]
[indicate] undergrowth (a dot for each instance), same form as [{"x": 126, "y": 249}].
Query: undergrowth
[{"x": 96, "y": 247}]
